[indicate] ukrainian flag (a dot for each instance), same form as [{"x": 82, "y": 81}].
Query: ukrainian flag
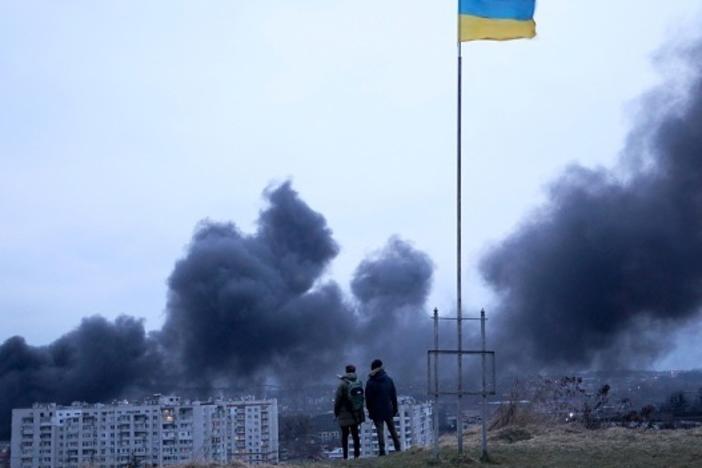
[{"x": 498, "y": 20}]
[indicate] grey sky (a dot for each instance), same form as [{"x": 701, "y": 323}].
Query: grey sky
[{"x": 123, "y": 123}]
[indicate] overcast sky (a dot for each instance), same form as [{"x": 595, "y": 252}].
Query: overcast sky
[{"x": 124, "y": 123}]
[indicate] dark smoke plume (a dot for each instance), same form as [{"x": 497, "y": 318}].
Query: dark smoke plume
[
  {"x": 240, "y": 308},
  {"x": 246, "y": 303},
  {"x": 612, "y": 262},
  {"x": 97, "y": 361},
  {"x": 392, "y": 287}
]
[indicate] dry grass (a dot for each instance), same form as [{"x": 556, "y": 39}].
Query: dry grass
[
  {"x": 230, "y": 465},
  {"x": 560, "y": 446},
  {"x": 572, "y": 446},
  {"x": 549, "y": 446}
]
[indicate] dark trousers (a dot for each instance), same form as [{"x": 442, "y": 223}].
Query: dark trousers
[
  {"x": 345, "y": 441},
  {"x": 381, "y": 434}
]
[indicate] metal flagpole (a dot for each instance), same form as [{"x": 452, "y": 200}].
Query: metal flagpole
[
  {"x": 459, "y": 298},
  {"x": 483, "y": 402},
  {"x": 436, "y": 384}
]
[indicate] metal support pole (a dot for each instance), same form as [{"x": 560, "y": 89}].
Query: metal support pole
[
  {"x": 436, "y": 384},
  {"x": 483, "y": 407},
  {"x": 459, "y": 298}
]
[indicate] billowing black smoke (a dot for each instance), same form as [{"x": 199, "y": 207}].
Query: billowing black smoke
[
  {"x": 392, "y": 287},
  {"x": 250, "y": 304},
  {"x": 240, "y": 308},
  {"x": 613, "y": 261},
  {"x": 99, "y": 360}
]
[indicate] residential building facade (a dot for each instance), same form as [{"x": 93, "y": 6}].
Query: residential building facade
[
  {"x": 414, "y": 424},
  {"x": 160, "y": 431}
]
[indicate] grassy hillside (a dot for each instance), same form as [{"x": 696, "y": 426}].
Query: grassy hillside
[{"x": 563, "y": 446}]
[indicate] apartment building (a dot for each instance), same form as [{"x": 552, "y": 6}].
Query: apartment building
[
  {"x": 160, "y": 431},
  {"x": 414, "y": 427}
]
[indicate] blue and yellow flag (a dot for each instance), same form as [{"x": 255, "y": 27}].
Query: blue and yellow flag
[{"x": 499, "y": 20}]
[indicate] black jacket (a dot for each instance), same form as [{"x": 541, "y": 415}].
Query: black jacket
[{"x": 381, "y": 397}]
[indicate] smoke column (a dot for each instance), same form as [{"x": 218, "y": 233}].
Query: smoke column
[
  {"x": 392, "y": 287},
  {"x": 247, "y": 304},
  {"x": 601, "y": 273}
]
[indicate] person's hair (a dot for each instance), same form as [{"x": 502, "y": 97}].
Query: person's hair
[
  {"x": 350, "y": 368},
  {"x": 376, "y": 364}
]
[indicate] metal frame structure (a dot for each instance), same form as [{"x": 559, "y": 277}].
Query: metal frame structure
[{"x": 434, "y": 391}]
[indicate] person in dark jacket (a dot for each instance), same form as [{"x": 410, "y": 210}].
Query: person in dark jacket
[
  {"x": 381, "y": 401},
  {"x": 345, "y": 415}
]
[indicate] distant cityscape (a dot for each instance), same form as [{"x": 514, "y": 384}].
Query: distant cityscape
[
  {"x": 162, "y": 430},
  {"x": 296, "y": 425},
  {"x": 168, "y": 430}
]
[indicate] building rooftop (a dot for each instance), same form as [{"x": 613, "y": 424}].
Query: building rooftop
[{"x": 153, "y": 400}]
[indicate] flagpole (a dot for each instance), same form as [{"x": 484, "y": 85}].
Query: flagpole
[{"x": 459, "y": 298}]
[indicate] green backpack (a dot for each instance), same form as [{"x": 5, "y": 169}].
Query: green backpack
[{"x": 355, "y": 396}]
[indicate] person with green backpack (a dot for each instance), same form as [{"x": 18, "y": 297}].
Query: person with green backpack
[{"x": 348, "y": 409}]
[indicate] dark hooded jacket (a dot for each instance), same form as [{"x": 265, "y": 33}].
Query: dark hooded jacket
[
  {"x": 381, "y": 397},
  {"x": 342, "y": 405}
]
